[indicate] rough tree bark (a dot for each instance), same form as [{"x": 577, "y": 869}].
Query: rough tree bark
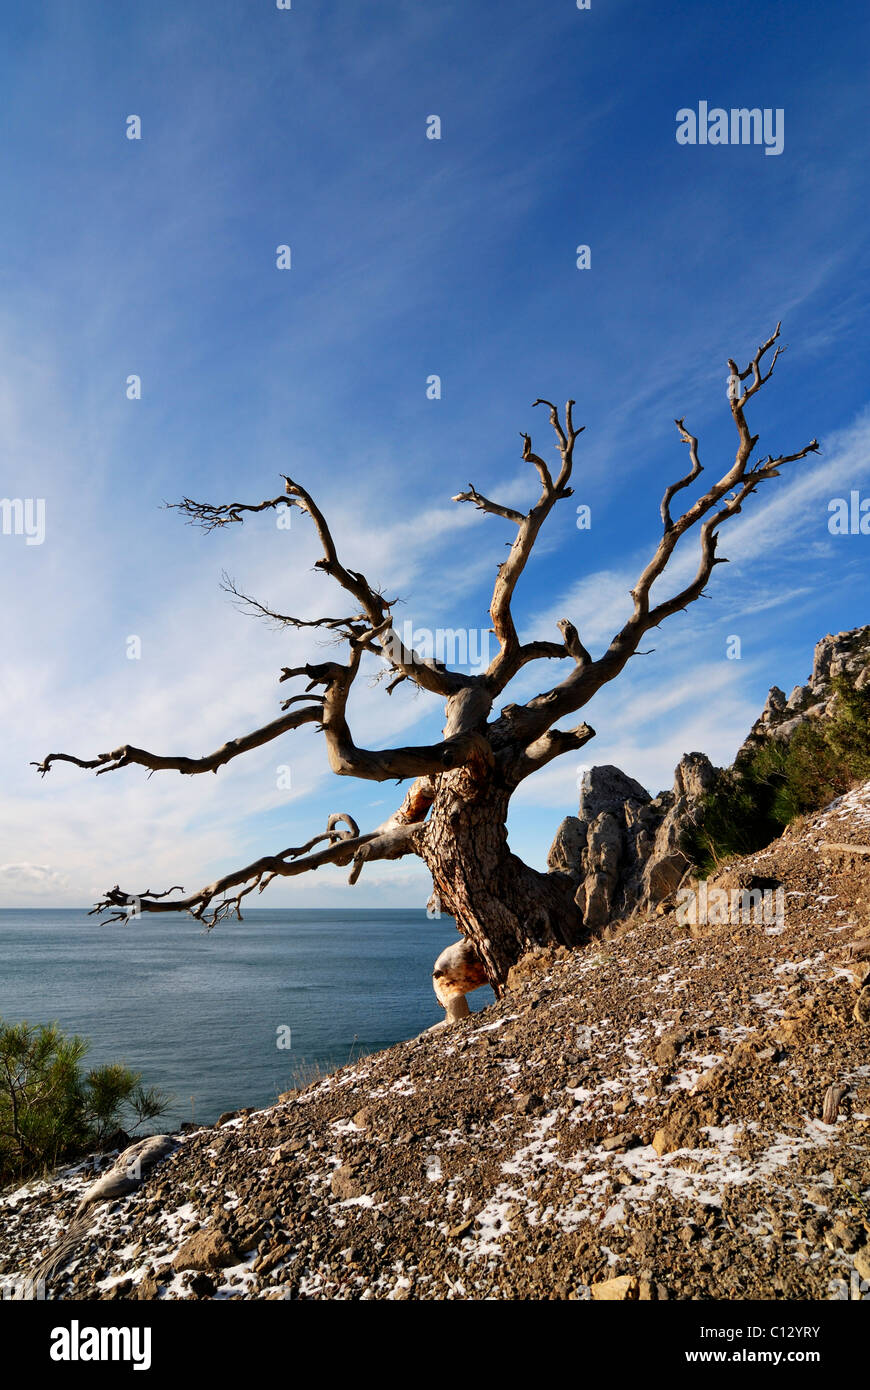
[{"x": 454, "y": 815}]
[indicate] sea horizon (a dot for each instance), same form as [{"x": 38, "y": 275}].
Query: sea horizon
[{"x": 207, "y": 1015}]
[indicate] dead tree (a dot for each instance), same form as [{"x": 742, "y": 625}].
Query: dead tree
[{"x": 454, "y": 813}]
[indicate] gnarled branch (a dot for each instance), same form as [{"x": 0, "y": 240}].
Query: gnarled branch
[
  {"x": 512, "y": 655},
  {"x": 483, "y": 504},
  {"x": 722, "y": 500},
  {"x": 211, "y": 517},
  {"x": 201, "y": 905},
  {"x": 155, "y": 762}
]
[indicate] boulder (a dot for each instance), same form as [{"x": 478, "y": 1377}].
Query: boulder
[
  {"x": 604, "y": 857},
  {"x": 861, "y": 1262},
  {"x": 207, "y": 1250},
  {"x": 625, "y": 854}
]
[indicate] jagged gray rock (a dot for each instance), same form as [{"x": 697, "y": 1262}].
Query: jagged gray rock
[
  {"x": 565, "y": 856},
  {"x": 667, "y": 864},
  {"x": 607, "y": 788},
  {"x": 604, "y": 848},
  {"x": 623, "y": 851},
  {"x": 844, "y": 654}
]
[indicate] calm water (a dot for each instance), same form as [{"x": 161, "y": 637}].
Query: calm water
[{"x": 198, "y": 1012}]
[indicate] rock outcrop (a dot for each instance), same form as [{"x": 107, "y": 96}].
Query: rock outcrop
[
  {"x": 624, "y": 848},
  {"x": 846, "y": 655}
]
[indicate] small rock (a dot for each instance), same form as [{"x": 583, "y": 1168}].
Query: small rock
[
  {"x": 623, "y": 1140},
  {"x": 665, "y": 1141},
  {"x": 345, "y": 1184},
  {"x": 202, "y": 1285},
  {"x": 527, "y": 1104},
  {"x": 625, "y": 1286},
  {"x": 861, "y": 1262},
  {"x": 121, "y": 1289},
  {"x": 666, "y": 1052},
  {"x": 284, "y": 1151},
  {"x": 456, "y": 1232},
  {"x": 843, "y": 1236},
  {"x": 831, "y": 1104}
]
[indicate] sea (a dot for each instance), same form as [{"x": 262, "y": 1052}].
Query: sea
[{"x": 231, "y": 1017}]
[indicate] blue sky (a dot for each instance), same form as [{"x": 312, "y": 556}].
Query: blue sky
[{"x": 410, "y": 257}]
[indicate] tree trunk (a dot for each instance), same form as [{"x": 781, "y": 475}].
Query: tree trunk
[{"x": 500, "y": 905}]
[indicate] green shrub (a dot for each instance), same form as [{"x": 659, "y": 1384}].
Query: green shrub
[
  {"x": 50, "y": 1111},
  {"x": 753, "y": 802}
]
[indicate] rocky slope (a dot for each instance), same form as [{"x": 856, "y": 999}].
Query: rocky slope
[
  {"x": 845, "y": 655},
  {"x": 678, "y": 1111},
  {"x": 623, "y": 849}
]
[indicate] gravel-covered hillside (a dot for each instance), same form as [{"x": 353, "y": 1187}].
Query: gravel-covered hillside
[{"x": 643, "y": 1119}]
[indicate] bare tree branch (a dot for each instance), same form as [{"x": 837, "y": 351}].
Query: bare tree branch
[
  {"x": 737, "y": 483},
  {"x": 758, "y": 378},
  {"x": 573, "y": 645},
  {"x": 512, "y": 656},
  {"x": 210, "y": 517},
  {"x": 483, "y": 504},
  {"x": 392, "y": 843},
  {"x": 211, "y": 904},
  {"x": 683, "y": 482},
  {"x": 127, "y": 754},
  {"x": 290, "y": 862},
  {"x": 427, "y": 673},
  {"x": 252, "y": 606},
  {"x": 347, "y": 760},
  {"x": 550, "y": 745}
]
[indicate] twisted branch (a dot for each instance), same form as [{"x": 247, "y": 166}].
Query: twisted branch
[{"x": 155, "y": 762}]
